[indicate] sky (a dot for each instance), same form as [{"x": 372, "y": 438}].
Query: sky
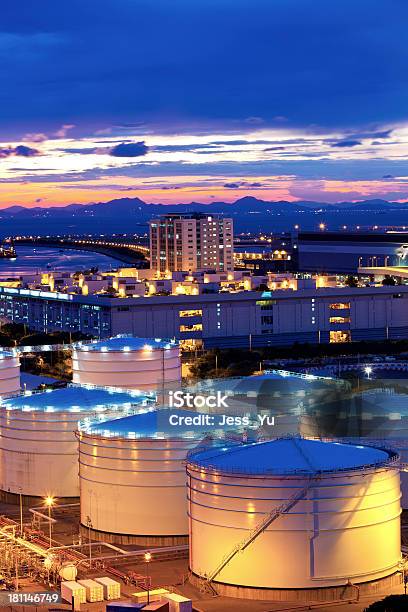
[{"x": 205, "y": 100}]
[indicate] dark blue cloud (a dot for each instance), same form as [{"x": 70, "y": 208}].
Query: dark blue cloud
[
  {"x": 131, "y": 149},
  {"x": 19, "y": 151},
  {"x": 346, "y": 143},
  {"x": 234, "y": 64},
  {"x": 124, "y": 149}
]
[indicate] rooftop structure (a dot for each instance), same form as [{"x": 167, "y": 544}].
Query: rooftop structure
[{"x": 347, "y": 251}]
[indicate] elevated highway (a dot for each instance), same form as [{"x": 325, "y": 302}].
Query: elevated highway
[{"x": 126, "y": 251}]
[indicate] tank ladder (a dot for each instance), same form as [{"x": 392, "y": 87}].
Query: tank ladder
[{"x": 260, "y": 528}]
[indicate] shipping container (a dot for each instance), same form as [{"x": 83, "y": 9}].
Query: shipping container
[
  {"x": 94, "y": 590},
  {"x": 71, "y": 589},
  {"x": 124, "y": 606},
  {"x": 111, "y": 588},
  {"x": 154, "y": 595},
  {"x": 178, "y": 603}
]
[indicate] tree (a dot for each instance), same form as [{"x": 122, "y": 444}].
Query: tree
[
  {"x": 389, "y": 280},
  {"x": 351, "y": 281}
]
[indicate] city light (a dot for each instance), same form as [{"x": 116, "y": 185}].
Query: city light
[{"x": 49, "y": 501}]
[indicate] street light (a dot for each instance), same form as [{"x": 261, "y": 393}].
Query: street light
[
  {"x": 49, "y": 501},
  {"x": 148, "y": 558},
  {"x": 20, "y": 492},
  {"x": 368, "y": 370},
  {"x": 89, "y": 525}
]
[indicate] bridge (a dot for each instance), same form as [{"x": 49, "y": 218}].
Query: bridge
[{"x": 120, "y": 248}]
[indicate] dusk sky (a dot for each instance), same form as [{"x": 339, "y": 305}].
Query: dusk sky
[{"x": 203, "y": 100}]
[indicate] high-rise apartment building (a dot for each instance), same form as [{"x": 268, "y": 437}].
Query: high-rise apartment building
[{"x": 191, "y": 242}]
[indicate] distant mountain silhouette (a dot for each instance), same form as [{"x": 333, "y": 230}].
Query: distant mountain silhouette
[{"x": 249, "y": 213}]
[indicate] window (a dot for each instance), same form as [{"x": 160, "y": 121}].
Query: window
[
  {"x": 340, "y": 306},
  {"x": 266, "y": 304},
  {"x": 191, "y": 328},
  {"x": 340, "y": 336},
  {"x": 339, "y": 319},
  {"x": 267, "y": 320},
  {"x": 191, "y": 313}
]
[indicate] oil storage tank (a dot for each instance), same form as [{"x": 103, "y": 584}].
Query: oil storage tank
[
  {"x": 293, "y": 518},
  {"x": 38, "y": 447},
  {"x": 286, "y": 396},
  {"x": 376, "y": 416},
  {"x": 132, "y": 477},
  {"x": 128, "y": 362},
  {"x": 9, "y": 373}
]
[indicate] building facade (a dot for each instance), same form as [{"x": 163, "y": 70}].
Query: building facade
[
  {"x": 345, "y": 252},
  {"x": 242, "y": 319},
  {"x": 191, "y": 242}
]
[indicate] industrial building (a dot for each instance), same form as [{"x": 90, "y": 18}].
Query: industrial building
[
  {"x": 230, "y": 319},
  {"x": 191, "y": 242},
  {"x": 345, "y": 252},
  {"x": 293, "y": 518},
  {"x": 132, "y": 478},
  {"x": 124, "y": 361},
  {"x": 38, "y": 448}
]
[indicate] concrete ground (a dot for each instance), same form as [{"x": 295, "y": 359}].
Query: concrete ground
[{"x": 168, "y": 574}]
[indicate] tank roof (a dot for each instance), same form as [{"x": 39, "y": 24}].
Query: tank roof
[
  {"x": 127, "y": 343},
  {"x": 269, "y": 383},
  {"x": 291, "y": 456},
  {"x": 74, "y": 399}
]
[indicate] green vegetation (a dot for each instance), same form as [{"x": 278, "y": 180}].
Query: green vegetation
[
  {"x": 351, "y": 281},
  {"x": 56, "y": 364},
  {"x": 392, "y": 603},
  {"x": 242, "y": 362}
]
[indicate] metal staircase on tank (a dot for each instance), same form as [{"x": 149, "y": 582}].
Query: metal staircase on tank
[{"x": 260, "y": 528}]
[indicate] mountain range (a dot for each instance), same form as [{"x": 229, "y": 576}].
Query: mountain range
[{"x": 249, "y": 213}]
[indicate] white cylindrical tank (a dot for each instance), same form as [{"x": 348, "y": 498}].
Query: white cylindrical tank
[
  {"x": 129, "y": 363},
  {"x": 132, "y": 478},
  {"x": 9, "y": 373},
  {"x": 336, "y": 511},
  {"x": 38, "y": 447},
  {"x": 280, "y": 394},
  {"x": 373, "y": 416}
]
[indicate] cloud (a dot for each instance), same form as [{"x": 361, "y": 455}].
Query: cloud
[
  {"x": 254, "y": 120},
  {"x": 232, "y": 185},
  {"x": 35, "y": 137},
  {"x": 346, "y": 143},
  {"x": 19, "y": 151},
  {"x": 132, "y": 149},
  {"x": 63, "y": 130},
  {"x": 275, "y": 149}
]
